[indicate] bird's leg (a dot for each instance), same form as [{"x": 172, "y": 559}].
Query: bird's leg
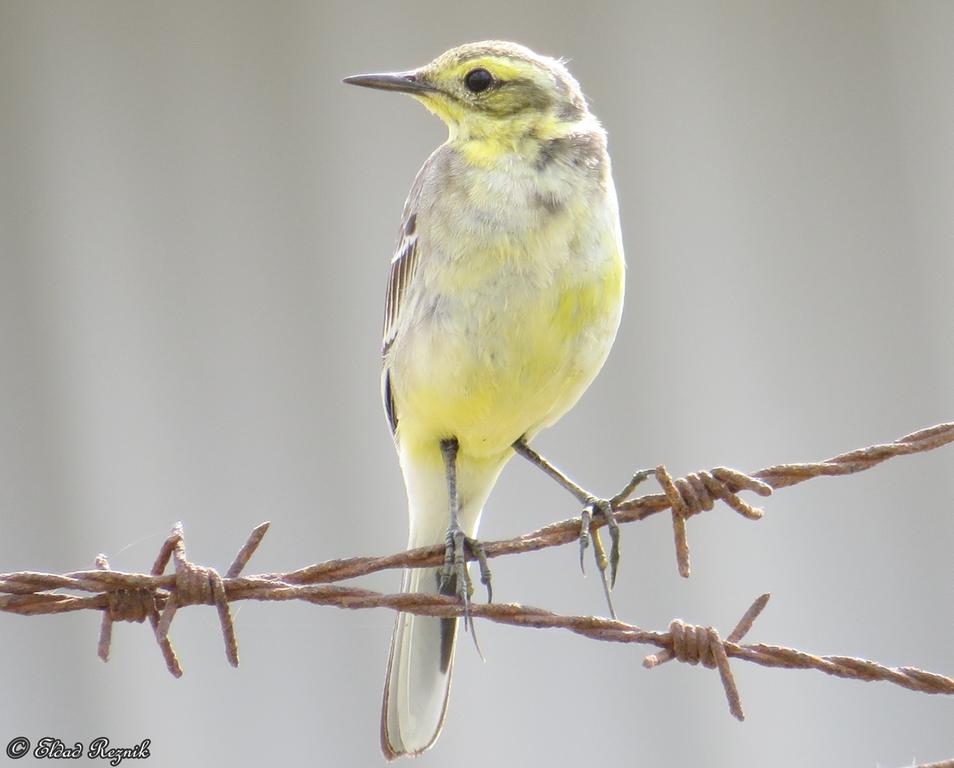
[
  {"x": 454, "y": 577},
  {"x": 591, "y": 505}
]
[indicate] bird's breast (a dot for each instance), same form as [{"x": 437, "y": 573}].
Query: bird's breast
[{"x": 504, "y": 338}]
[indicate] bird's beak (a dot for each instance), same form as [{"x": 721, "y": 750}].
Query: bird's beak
[{"x": 405, "y": 82}]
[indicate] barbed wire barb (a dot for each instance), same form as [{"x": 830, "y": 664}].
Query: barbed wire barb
[{"x": 693, "y": 645}]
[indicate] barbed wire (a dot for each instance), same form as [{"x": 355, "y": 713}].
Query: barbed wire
[{"x": 158, "y": 596}]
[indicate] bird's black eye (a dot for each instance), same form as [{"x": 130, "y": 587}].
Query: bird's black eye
[{"x": 478, "y": 80}]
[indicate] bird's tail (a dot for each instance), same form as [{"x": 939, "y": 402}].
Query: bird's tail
[
  {"x": 419, "y": 674},
  {"x": 422, "y": 647}
]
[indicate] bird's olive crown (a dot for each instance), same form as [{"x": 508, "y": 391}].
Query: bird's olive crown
[{"x": 502, "y": 80}]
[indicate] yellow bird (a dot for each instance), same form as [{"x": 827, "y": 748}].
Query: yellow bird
[{"x": 503, "y": 301}]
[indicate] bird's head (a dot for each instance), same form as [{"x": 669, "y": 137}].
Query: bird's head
[{"x": 492, "y": 91}]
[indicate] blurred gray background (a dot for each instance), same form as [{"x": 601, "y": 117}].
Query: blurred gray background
[{"x": 196, "y": 219}]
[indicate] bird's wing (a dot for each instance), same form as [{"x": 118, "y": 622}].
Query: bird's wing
[{"x": 404, "y": 265}]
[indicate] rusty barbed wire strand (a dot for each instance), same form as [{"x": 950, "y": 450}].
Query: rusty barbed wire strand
[
  {"x": 133, "y": 597},
  {"x": 720, "y": 483},
  {"x": 594, "y": 627}
]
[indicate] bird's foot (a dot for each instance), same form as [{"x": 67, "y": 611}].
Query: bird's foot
[
  {"x": 597, "y": 507},
  {"x": 454, "y": 579}
]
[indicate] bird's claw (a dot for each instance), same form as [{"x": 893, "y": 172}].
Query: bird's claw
[
  {"x": 586, "y": 517},
  {"x": 454, "y": 577},
  {"x": 628, "y": 489},
  {"x": 605, "y": 508},
  {"x": 602, "y": 507},
  {"x": 477, "y": 551}
]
